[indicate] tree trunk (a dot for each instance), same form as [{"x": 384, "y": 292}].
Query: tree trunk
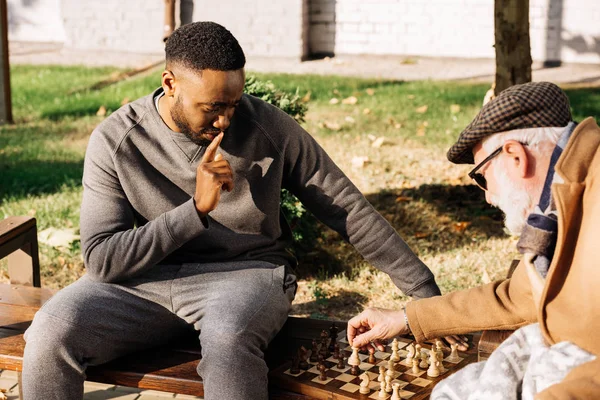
[
  {"x": 513, "y": 48},
  {"x": 5, "y": 97}
]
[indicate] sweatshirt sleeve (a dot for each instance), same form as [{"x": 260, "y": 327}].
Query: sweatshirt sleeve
[
  {"x": 113, "y": 248},
  {"x": 330, "y": 195},
  {"x": 506, "y": 304},
  {"x": 582, "y": 382}
]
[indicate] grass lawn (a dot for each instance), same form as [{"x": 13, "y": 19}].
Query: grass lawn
[{"x": 390, "y": 138}]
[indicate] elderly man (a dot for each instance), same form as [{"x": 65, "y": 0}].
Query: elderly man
[{"x": 541, "y": 169}]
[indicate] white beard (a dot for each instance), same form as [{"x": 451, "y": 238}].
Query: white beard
[{"x": 515, "y": 202}]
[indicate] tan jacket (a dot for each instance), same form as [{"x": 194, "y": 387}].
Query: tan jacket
[{"x": 569, "y": 303}]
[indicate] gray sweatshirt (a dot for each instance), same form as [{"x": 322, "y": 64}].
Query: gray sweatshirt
[{"x": 138, "y": 211}]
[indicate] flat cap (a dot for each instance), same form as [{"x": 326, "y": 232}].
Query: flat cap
[{"x": 530, "y": 105}]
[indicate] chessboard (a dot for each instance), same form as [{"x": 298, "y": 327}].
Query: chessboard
[{"x": 341, "y": 384}]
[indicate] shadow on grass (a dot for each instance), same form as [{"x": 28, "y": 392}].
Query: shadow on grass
[
  {"x": 343, "y": 306},
  {"x": 432, "y": 219},
  {"x": 25, "y": 178}
]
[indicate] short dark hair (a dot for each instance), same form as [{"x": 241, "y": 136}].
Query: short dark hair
[{"x": 204, "y": 45}]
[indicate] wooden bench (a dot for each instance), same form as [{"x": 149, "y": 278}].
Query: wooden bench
[{"x": 170, "y": 369}]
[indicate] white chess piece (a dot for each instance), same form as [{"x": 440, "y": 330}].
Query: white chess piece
[
  {"x": 411, "y": 354},
  {"x": 382, "y": 394},
  {"x": 396, "y": 393},
  {"x": 381, "y": 374},
  {"x": 415, "y": 366},
  {"x": 395, "y": 356},
  {"x": 423, "y": 357},
  {"x": 354, "y": 359},
  {"x": 388, "y": 383},
  {"x": 391, "y": 369},
  {"x": 433, "y": 370},
  {"x": 454, "y": 353},
  {"x": 364, "y": 384}
]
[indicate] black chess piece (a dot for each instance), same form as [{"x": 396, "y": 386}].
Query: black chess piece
[
  {"x": 294, "y": 369},
  {"x": 302, "y": 357},
  {"x": 372, "y": 359},
  {"x": 333, "y": 335},
  {"x": 314, "y": 351},
  {"x": 341, "y": 364},
  {"x": 323, "y": 370}
]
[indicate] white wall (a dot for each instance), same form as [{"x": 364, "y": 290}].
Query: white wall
[{"x": 567, "y": 30}]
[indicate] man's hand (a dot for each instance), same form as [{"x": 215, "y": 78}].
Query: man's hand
[
  {"x": 212, "y": 175},
  {"x": 374, "y": 324}
]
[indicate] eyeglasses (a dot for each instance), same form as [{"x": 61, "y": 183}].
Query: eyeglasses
[{"x": 479, "y": 178}]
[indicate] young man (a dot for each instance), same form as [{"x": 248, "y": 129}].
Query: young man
[
  {"x": 181, "y": 227},
  {"x": 542, "y": 170}
]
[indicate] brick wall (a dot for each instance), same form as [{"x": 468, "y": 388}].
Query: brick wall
[
  {"x": 560, "y": 29},
  {"x": 567, "y": 30}
]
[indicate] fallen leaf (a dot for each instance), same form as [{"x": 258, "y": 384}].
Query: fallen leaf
[
  {"x": 391, "y": 121},
  {"x": 101, "y": 111},
  {"x": 425, "y": 123},
  {"x": 370, "y": 91},
  {"x": 360, "y": 161},
  {"x": 367, "y": 111},
  {"x": 401, "y": 199},
  {"x": 461, "y": 226},
  {"x": 334, "y": 101},
  {"x": 371, "y": 137},
  {"x": 397, "y": 125},
  {"x": 349, "y": 119},
  {"x": 422, "y": 235},
  {"x": 421, "y": 131},
  {"x": 332, "y": 126},
  {"x": 455, "y": 108},
  {"x": 378, "y": 142},
  {"x": 411, "y": 96},
  {"x": 422, "y": 109},
  {"x": 306, "y": 97},
  {"x": 350, "y": 100},
  {"x": 335, "y": 91},
  {"x": 125, "y": 101},
  {"x": 485, "y": 277}
]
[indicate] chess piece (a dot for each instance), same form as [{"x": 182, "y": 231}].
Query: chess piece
[
  {"x": 433, "y": 370},
  {"x": 411, "y": 354},
  {"x": 440, "y": 355},
  {"x": 302, "y": 358},
  {"x": 372, "y": 359},
  {"x": 364, "y": 384},
  {"x": 341, "y": 364},
  {"x": 396, "y": 391},
  {"x": 354, "y": 361},
  {"x": 382, "y": 394},
  {"x": 333, "y": 334},
  {"x": 295, "y": 369},
  {"x": 323, "y": 372},
  {"x": 336, "y": 351},
  {"x": 424, "y": 363},
  {"x": 395, "y": 356},
  {"x": 381, "y": 374},
  {"x": 453, "y": 357},
  {"x": 314, "y": 352},
  {"x": 391, "y": 369},
  {"x": 415, "y": 366},
  {"x": 388, "y": 383}
]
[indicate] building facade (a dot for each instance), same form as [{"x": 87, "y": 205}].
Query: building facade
[{"x": 561, "y": 30}]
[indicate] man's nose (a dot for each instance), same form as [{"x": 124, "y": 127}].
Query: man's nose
[{"x": 222, "y": 122}]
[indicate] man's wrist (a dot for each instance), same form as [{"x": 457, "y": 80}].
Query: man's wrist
[{"x": 406, "y": 319}]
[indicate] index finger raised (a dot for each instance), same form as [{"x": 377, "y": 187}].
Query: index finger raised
[{"x": 211, "y": 150}]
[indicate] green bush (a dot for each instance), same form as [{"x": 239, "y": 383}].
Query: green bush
[{"x": 302, "y": 222}]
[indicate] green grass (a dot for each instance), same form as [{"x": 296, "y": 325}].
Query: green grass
[{"x": 41, "y": 155}]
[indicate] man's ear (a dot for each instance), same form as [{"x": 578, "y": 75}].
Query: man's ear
[
  {"x": 518, "y": 160},
  {"x": 168, "y": 83}
]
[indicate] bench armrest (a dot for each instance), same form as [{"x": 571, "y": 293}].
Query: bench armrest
[{"x": 18, "y": 242}]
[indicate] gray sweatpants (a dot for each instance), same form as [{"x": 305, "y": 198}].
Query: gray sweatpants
[{"x": 237, "y": 308}]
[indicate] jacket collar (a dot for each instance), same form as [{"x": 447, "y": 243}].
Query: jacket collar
[{"x": 575, "y": 160}]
